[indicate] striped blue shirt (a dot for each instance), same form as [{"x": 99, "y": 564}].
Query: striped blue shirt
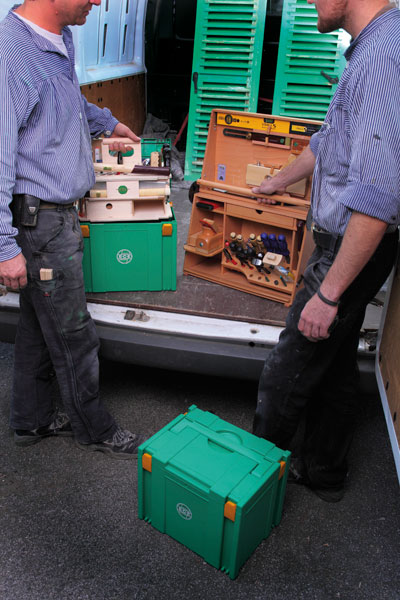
[
  {"x": 358, "y": 147},
  {"x": 45, "y": 124}
]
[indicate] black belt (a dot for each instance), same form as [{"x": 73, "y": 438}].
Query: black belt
[
  {"x": 18, "y": 198},
  {"x": 325, "y": 239},
  {"x": 25, "y": 209},
  {"x": 331, "y": 241}
]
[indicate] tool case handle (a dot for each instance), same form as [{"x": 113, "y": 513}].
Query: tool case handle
[
  {"x": 214, "y": 185},
  {"x": 119, "y": 140}
]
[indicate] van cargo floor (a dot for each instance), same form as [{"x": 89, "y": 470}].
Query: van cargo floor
[{"x": 194, "y": 295}]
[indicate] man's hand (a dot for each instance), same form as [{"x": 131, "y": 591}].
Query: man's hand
[
  {"x": 13, "y": 272},
  {"x": 122, "y": 131},
  {"x": 316, "y": 318},
  {"x": 269, "y": 186},
  {"x": 300, "y": 168}
]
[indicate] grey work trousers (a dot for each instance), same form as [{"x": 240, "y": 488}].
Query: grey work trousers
[
  {"x": 56, "y": 333},
  {"x": 319, "y": 380}
]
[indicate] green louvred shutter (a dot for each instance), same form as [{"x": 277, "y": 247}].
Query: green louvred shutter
[
  {"x": 226, "y": 67},
  {"x": 309, "y": 63}
]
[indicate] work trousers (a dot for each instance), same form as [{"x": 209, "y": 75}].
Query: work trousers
[
  {"x": 318, "y": 380},
  {"x": 56, "y": 333}
]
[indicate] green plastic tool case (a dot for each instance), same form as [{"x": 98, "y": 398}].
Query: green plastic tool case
[
  {"x": 129, "y": 256},
  {"x": 212, "y": 486}
]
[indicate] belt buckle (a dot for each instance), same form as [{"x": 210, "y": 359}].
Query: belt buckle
[{"x": 315, "y": 228}]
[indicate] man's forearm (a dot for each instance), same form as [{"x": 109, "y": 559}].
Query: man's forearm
[
  {"x": 362, "y": 237},
  {"x": 300, "y": 168},
  {"x": 99, "y": 119},
  {"x": 360, "y": 241}
]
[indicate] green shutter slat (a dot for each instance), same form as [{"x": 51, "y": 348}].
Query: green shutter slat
[
  {"x": 217, "y": 31},
  {"x": 227, "y": 58},
  {"x": 300, "y": 88}
]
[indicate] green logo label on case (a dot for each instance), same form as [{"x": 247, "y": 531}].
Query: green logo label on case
[
  {"x": 124, "y": 256},
  {"x": 184, "y": 511}
]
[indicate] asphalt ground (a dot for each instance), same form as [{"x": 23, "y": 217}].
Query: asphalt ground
[{"x": 69, "y": 527}]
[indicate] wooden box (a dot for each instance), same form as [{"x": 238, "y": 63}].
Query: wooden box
[
  {"x": 104, "y": 160},
  {"x": 99, "y": 210},
  {"x": 242, "y": 148},
  {"x": 125, "y": 196}
]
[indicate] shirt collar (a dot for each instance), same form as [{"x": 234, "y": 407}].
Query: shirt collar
[
  {"x": 41, "y": 42},
  {"x": 370, "y": 28}
]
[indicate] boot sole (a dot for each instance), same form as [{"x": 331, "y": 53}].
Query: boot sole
[
  {"x": 108, "y": 451},
  {"x": 31, "y": 440},
  {"x": 328, "y": 495}
]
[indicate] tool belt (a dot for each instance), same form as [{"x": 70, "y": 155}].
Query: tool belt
[
  {"x": 325, "y": 239},
  {"x": 25, "y": 209}
]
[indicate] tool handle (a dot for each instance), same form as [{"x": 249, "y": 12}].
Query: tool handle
[
  {"x": 121, "y": 140},
  {"x": 209, "y": 224},
  {"x": 247, "y": 192}
]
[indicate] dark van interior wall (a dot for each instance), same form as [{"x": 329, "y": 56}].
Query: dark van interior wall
[{"x": 170, "y": 27}]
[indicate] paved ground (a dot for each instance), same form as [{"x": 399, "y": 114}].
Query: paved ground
[{"x": 69, "y": 526}]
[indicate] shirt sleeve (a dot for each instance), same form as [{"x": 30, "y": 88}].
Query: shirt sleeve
[
  {"x": 100, "y": 119},
  {"x": 314, "y": 143},
  {"x": 373, "y": 185},
  {"x": 14, "y": 100}
]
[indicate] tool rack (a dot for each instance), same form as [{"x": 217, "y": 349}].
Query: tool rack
[{"x": 242, "y": 148}]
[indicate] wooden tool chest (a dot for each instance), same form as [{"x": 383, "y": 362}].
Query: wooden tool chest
[
  {"x": 125, "y": 189},
  {"x": 233, "y": 240}
]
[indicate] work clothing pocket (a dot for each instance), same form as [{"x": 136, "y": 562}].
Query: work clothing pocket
[
  {"x": 47, "y": 286},
  {"x": 316, "y": 270},
  {"x": 46, "y": 235},
  {"x": 72, "y": 216}
]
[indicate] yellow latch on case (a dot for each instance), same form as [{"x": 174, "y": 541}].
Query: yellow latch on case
[
  {"x": 282, "y": 471},
  {"x": 85, "y": 231},
  {"x": 146, "y": 462},
  {"x": 230, "y": 510},
  {"x": 167, "y": 229}
]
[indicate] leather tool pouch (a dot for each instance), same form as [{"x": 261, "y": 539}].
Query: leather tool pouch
[{"x": 28, "y": 211}]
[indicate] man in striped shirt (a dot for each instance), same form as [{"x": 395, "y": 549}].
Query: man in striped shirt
[
  {"x": 45, "y": 166},
  {"x": 355, "y": 162}
]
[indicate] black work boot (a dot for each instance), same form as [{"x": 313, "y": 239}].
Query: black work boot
[
  {"x": 298, "y": 474},
  {"x": 60, "y": 425},
  {"x": 122, "y": 445}
]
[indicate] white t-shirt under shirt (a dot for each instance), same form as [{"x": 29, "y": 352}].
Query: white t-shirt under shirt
[{"x": 54, "y": 38}]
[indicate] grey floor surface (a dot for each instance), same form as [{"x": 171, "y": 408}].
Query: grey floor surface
[{"x": 69, "y": 526}]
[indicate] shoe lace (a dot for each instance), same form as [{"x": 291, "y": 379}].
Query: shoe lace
[{"x": 122, "y": 436}]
